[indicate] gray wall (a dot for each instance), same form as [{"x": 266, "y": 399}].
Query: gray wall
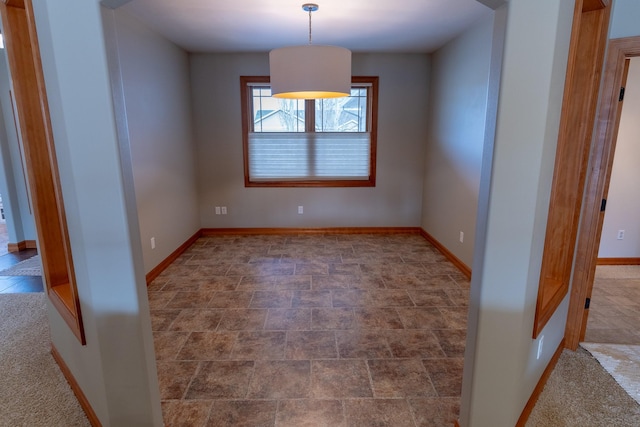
[
  {"x": 155, "y": 76},
  {"x": 116, "y": 368},
  {"x": 623, "y": 199},
  {"x": 396, "y": 201},
  {"x": 501, "y": 367},
  {"x": 13, "y": 181},
  {"x": 457, "y": 114},
  {"x": 624, "y": 19}
]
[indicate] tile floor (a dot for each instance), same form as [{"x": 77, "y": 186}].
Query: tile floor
[
  {"x": 310, "y": 330},
  {"x": 19, "y": 284},
  {"x": 4, "y": 237},
  {"x": 614, "y": 314}
]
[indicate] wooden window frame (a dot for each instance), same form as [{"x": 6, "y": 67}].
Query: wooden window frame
[{"x": 372, "y": 111}]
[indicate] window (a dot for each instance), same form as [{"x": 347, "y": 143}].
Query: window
[{"x": 309, "y": 143}]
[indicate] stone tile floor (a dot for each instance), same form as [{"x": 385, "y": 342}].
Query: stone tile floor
[
  {"x": 614, "y": 314},
  {"x": 310, "y": 330},
  {"x": 19, "y": 284},
  {"x": 4, "y": 237}
]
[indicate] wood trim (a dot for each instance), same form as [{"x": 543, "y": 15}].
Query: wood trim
[
  {"x": 373, "y": 108},
  {"x": 343, "y": 183},
  {"x": 456, "y": 423},
  {"x": 15, "y": 3},
  {"x": 464, "y": 268},
  {"x": 584, "y": 68},
  {"x": 618, "y": 261},
  {"x": 327, "y": 230},
  {"x": 373, "y": 120},
  {"x": 60, "y": 249},
  {"x": 155, "y": 272},
  {"x": 62, "y": 277},
  {"x": 21, "y": 246},
  {"x": 75, "y": 387},
  {"x": 606, "y": 130},
  {"x": 531, "y": 403},
  {"x": 591, "y": 5},
  {"x": 246, "y": 123},
  {"x": 313, "y": 184},
  {"x": 32, "y": 107}
]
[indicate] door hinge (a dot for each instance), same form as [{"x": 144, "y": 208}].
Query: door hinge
[
  {"x": 621, "y": 98},
  {"x": 587, "y": 303},
  {"x": 603, "y": 205}
]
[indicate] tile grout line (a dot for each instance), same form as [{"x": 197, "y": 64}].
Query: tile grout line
[
  {"x": 314, "y": 318},
  {"x": 193, "y": 377}
]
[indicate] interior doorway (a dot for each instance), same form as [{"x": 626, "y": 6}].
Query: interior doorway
[
  {"x": 598, "y": 179},
  {"x": 614, "y": 313},
  {"x": 620, "y": 237}
]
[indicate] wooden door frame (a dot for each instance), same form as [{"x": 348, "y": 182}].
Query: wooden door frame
[
  {"x": 597, "y": 187},
  {"x": 584, "y": 68}
]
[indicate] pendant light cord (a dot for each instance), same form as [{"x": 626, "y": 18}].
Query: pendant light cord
[
  {"x": 310, "y": 7},
  {"x": 310, "y": 27}
]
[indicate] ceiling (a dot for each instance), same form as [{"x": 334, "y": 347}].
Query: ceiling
[{"x": 261, "y": 25}]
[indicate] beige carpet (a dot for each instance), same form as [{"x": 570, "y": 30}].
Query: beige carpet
[
  {"x": 580, "y": 393},
  {"x": 33, "y": 391},
  {"x": 29, "y": 267},
  {"x": 622, "y": 362}
]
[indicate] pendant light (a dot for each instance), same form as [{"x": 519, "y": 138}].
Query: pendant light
[{"x": 311, "y": 71}]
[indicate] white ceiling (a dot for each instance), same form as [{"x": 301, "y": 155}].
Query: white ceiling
[{"x": 261, "y": 25}]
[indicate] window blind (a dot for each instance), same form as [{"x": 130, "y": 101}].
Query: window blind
[{"x": 308, "y": 156}]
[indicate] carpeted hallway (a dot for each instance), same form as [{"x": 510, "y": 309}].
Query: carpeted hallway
[
  {"x": 33, "y": 391},
  {"x": 580, "y": 393}
]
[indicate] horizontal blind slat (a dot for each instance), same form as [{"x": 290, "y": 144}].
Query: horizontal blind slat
[{"x": 309, "y": 156}]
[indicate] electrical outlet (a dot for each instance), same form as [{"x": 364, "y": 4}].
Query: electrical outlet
[
  {"x": 217, "y": 210},
  {"x": 462, "y": 237},
  {"x": 300, "y": 210},
  {"x": 153, "y": 243},
  {"x": 540, "y": 347},
  {"x": 223, "y": 210},
  {"x": 620, "y": 234}
]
